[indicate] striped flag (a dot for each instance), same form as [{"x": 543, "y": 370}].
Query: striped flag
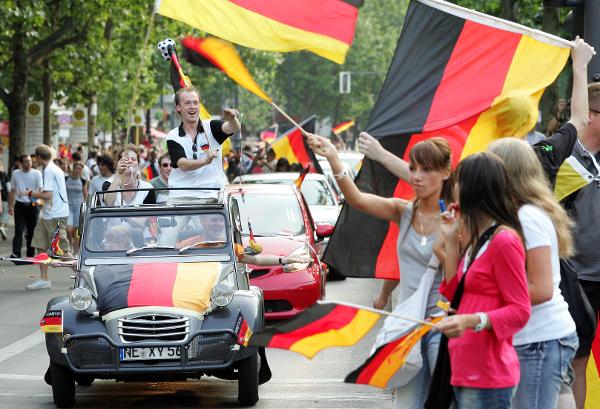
[
  {"x": 55, "y": 243},
  {"x": 52, "y": 321},
  {"x": 325, "y": 27},
  {"x": 571, "y": 177},
  {"x": 212, "y": 51},
  {"x": 344, "y": 126},
  {"x": 593, "y": 375},
  {"x": 180, "y": 285},
  {"x": 292, "y": 145},
  {"x": 379, "y": 369},
  {"x": 456, "y": 73},
  {"x": 318, "y": 327}
]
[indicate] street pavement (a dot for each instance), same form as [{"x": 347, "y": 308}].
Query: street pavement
[{"x": 297, "y": 382}]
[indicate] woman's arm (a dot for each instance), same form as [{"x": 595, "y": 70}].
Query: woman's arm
[
  {"x": 539, "y": 275},
  {"x": 383, "y": 208}
]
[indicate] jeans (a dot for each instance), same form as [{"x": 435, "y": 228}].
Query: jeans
[
  {"x": 26, "y": 217},
  {"x": 483, "y": 398},
  {"x": 544, "y": 368},
  {"x": 413, "y": 394}
]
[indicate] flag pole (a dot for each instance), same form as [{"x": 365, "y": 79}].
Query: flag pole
[
  {"x": 382, "y": 312},
  {"x": 289, "y": 118}
]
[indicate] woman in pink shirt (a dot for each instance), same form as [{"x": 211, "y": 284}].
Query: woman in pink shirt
[{"x": 488, "y": 285}]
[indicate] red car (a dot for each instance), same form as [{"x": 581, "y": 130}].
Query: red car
[{"x": 282, "y": 225}]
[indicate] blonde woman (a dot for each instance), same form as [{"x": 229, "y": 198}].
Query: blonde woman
[{"x": 547, "y": 344}]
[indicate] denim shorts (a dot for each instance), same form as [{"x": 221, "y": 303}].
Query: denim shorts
[
  {"x": 544, "y": 369},
  {"x": 483, "y": 398}
]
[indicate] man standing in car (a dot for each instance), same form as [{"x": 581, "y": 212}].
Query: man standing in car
[{"x": 195, "y": 147}]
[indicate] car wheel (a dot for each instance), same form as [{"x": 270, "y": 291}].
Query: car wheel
[
  {"x": 63, "y": 386},
  {"x": 248, "y": 380},
  {"x": 84, "y": 380}
]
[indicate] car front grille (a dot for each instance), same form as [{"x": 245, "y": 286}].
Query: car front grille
[
  {"x": 277, "y": 306},
  {"x": 153, "y": 327},
  {"x": 212, "y": 349},
  {"x": 90, "y": 353}
]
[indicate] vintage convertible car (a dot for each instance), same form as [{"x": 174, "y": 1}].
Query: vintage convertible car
[{"x": 159, "y": 295}]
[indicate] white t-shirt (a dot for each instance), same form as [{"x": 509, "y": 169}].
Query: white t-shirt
[
  {"x": 141, "y": 197},
  {"x": 210, "y": 176},
  {"x": 22, "y": 181},
  {"x": 551, "y": 319},
  {"x": 54, "y": 181}
]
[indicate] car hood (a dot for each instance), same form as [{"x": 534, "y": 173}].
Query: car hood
[
  {"x": 179, "y": 285},
  {"x": 324, "y": 214},
  {"x": 278, "y": 245}
]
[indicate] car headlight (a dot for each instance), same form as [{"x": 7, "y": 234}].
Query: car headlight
[
  {"x": 222, "y": 293},
  {"x": 80, "y": 299},
  {"x": 292, "y": 267}
]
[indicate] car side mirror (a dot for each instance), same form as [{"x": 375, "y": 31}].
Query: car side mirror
[{"x": 324, "y": 230}]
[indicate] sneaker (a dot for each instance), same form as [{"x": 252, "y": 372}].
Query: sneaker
[
  {"x": 39, "y": 285},
  {"x": 3, "y": 233}
]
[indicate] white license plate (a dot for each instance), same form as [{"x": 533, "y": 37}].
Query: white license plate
[{"x": 150, "y": 353}]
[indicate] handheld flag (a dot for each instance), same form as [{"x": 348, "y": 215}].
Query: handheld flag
[
  {"x": 456, "y": 73},
  {"x": 593, "y": 375},
  {"x": 269, "y": 134},
  {"x": 292, "y": 145},
  {"x": 382, "y": 365},
  {"x": 212, "y": 51},
  {"x": 344, "y": 126},
  {"x": 298, "y": 182},
  {"x": 325, "y": 27},
  {"x": 318, "y": 327},
  {"x": 254, "y": 247},
  {"x": 55, "y": 241}
]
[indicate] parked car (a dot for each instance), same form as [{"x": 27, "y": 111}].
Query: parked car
[
  {"x": 282, "y": 224},
  {"x": 158, "y": 296}
]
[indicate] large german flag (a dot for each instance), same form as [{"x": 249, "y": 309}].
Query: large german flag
[
  {"x": 462, "y": 75},
  {"x": 180, "y": 285},
  {"x": 215, "y": 52},
  {"x": 318, "y": 327},
  {"x": 325, "y": 27},
  {"x": 292, "y": 145},
  {"x": 593, "y": 375},
  {"x": 383, "y": 364}
]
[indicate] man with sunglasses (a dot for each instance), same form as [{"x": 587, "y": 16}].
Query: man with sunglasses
[
  {"x": 195, "y": 148},
  {"x": 162, "y": 180}
]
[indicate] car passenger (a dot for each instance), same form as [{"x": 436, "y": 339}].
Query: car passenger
[{"x": 117, "y": 238}]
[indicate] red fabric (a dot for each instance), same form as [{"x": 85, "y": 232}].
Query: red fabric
[
  {"x": 152, "y": 284},
  {"x": 495, "y": 284},
  {"x": 377, "y": 361},
  {"x": 466, "y": 66},
  {"x": 331, "y": 18}
]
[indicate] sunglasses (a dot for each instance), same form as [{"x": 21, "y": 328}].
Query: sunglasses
[{"x": 166, "y": 165}]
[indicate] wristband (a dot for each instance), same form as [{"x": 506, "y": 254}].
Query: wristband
[
  {"x": 483, "y": 320},
  {"x": 30, "y": 192},
  {"x": 341, "y": 175},
  {"x": 280, "y": 262}
]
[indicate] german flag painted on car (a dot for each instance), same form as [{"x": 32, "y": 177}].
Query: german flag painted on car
[
  {"x": 179, "y": 285},
  {"x": 318, "y": 327}
]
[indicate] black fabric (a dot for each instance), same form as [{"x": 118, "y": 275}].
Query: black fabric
[
  {"x": 441, "y": 393},
  {"x": 415, "y": 71},
  {"x": 3, "y": 182},
  {"x": 216, "y": 127},
  {"x": 353, "y": 249},
  {"x": 176, "y": 152},
  {"x": 26, "y": 216},
  {"x": 150, "y": 197},
  {"x": 112, "y": 284},
  {"x": 105, "y": 185},
  {"x": 583, "y": 312},
  {"x": 555, "y": 149},
  {"x": 176, "y": 81}
]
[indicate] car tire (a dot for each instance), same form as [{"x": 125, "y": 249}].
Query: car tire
[
  {"x": 248, "y": 380},
  {"x": 84, "y": 380},
  {"x": 63, "y": 386}
]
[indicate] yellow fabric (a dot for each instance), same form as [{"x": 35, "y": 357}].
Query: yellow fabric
[
  {"x": 238, "y": 25},
  {"x": 227, "y": 58},
  {"x": 397, "y": 358},
  {"x": 593, "y": 385},
  {"x": 283, "y": 149},
  {"x": 204, "y": 114},
  {"x": 568, "y": 179},
  {"x": 193, "y": 284},
  {"x": 535, "y": 65},
  {"x": 348, "y": 335},
  {"x": 52, "y": 328}
]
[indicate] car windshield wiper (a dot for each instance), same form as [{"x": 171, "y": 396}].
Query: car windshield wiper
[
  {"x": 207, "y": 243},
  {"x": 149, "y": 247}
]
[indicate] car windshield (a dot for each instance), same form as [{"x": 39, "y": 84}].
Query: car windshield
[
  {"x": 271, "y": 214},
  {"x": 137, "y": 234}
]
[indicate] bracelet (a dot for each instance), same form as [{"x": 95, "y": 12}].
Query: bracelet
[
  {"x": 280, "y": 261},
  {"x": 341, "y": 175},
  {"x": 483, "y": 320}
]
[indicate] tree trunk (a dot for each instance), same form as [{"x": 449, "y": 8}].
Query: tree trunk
[
  {"x": 91, "y": 129},
  {"x": 47, "y": 96},
  {"x": 508, "y": 10},
  {"x": 17, "y": 105},
  {"x": 550, "y": 97}
]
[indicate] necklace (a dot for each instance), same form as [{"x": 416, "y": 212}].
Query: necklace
[{"x": 425, "y": 233}]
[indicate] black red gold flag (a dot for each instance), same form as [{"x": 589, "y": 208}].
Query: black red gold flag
[
  {"x": 292, "y": 145},
  {"x": 454, "y": 74},
  {"x": 318, "y": 327}
]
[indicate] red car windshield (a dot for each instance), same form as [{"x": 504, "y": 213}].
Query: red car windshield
[{"x": 271, "y": 214}]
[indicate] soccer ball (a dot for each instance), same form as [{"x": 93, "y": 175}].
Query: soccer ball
[{"x": 165, "y": 48}]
